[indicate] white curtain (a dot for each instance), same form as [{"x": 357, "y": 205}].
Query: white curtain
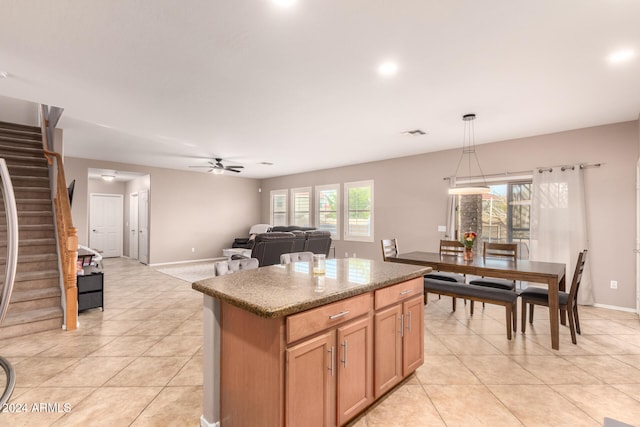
[{"x": 559, "y": 223}]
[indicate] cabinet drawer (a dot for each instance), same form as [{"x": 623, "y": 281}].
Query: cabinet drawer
[
  {"x": 401, "y": 291},
  {"x": 90, "y": 282},
  {"x": 89, "y": 300},
  {"x": 318, "y": 319}
]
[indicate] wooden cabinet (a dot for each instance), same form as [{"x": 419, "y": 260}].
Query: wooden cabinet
[
  {"x": 413, "y": 337},
  {"x": 355, "y": 368},
  {"x": 320, "y": 367},
  {"x": 330, "y": 376},
  {"x": 311, "y": 382},
  {"x": 399, "y": 333}
]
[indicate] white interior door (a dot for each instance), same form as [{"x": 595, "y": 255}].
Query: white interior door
[
  {"x": 105, "y": 224},
  {"x": 133, "y": 225},
  {"x": 143, "y": 226}
]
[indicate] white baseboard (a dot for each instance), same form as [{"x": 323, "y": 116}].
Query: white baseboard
[
  {"x": 615, "y": 307},
  {"x": 205, "y": 423},
  {"x": 220, "y": 258}
]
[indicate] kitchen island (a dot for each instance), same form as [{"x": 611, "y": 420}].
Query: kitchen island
[{"x": 283, "y": 347}]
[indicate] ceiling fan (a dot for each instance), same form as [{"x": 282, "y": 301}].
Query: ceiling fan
[{"x": 218, "y": 168}]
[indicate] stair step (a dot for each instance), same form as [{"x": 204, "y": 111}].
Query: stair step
[
  {"x": 35, "y": 217},
  {"x": 17, "y": 142},
  {"x": 21, "y": 135},
  {"x": 29, "y": 322},
  {"x": 28, "y": 205},
  {"x": 24, "y": 279},
  {"x": 21, "y": 150},
  {"x": 30, "y": 247},
  {"x": 26, "y": 129},
  {"x": 34, "y": 262},
  {"x": 16, "y": 159},
  {"x": 24, "y": 192},
  {"x": 38, "y": 283},
  {"x": 34, "y": 299},
  {"x": 28, "y": 170},
  {"x": 30, "y": 181},
  {"x": 33, "y": 231}
]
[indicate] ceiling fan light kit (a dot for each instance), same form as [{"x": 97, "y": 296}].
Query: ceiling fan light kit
[{"x": 469, "y": 149}]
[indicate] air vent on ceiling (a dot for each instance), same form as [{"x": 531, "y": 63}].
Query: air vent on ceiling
[{"x": 415, "y": 132}]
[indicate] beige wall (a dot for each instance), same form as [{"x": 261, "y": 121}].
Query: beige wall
[
  {"x": 410, "y": 195},
  {"x": 187, "y": 209}
]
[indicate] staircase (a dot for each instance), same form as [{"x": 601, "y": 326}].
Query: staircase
[{"x": 36, "y": 301}]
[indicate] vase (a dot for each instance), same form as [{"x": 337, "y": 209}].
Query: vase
[{"x": 467, "y": 255}]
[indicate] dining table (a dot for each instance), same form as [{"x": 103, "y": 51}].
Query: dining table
[{"x": 550, "y": 273}]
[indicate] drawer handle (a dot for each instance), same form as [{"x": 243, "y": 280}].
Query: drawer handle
[
  {"x": 335, "y": 316},
  {"x": 402, "y": 325},
  {"x": 408, "y": 291},
  {"x": 409, "y": 321}
]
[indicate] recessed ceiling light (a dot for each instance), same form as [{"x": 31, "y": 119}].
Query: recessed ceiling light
[
  {"x": 388, "y": 69},
  {"x": 284, "y": 3},
  {"x": 108, "y": 178},
  {"x": 266, "y": 163},
  {"x": 621, "y": 56}
]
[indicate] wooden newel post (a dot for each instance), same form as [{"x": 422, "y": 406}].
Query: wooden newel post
[{"x": 71, "y": 278}]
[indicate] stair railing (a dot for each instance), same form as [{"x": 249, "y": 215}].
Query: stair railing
[
  {"x": 66, "y": 232},
  {"x": 11, "y": 212}
]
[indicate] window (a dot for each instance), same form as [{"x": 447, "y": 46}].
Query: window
[
  {"x": 358, "y": 211},
  {"x": 279, "y": 207},
  {"x": 301, "y": 206},
  {"x": 502, "y": 216},
  {"x": 328, "y": 209}
]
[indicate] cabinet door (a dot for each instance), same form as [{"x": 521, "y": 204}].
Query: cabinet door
[
  {"x": 355, "y": 368},
  {"x": 311, "y": 382},
  {"x": 388, "y": 349},
  {"x": 413, "y": 340}
]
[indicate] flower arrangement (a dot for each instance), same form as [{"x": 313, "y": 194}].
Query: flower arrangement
[{"x": 469, "y": 239}]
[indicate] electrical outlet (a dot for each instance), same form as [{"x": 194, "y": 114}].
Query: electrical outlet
[
  {"x": 193, "y": 250},
  {"x": 354, "y": 255},
  {"x": 614, "y": 284},
  {"x": 346, "y": 254},
  {"x": 442, "y": 229}
]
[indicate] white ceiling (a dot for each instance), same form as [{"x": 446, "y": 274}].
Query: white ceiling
[{"x": 173, "y": 84}]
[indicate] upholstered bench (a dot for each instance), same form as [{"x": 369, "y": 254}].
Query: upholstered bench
[{"x": 508, "y": 299}]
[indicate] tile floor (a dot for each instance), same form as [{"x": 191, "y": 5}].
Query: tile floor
[{"x": 139, "y": 362}]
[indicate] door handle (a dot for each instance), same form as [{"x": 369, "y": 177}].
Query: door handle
[
  {"x": 331, "y": 366},
  {"x": 344, "y": 360}
]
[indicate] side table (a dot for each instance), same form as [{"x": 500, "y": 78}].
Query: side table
[{"x": 90, "y": 289}]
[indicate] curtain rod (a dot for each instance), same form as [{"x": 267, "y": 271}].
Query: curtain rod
[
  {"x": 571, "y": 167},
  {"x": 493, "y": 175}
]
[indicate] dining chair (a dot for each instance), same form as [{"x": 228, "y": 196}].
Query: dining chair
[
  {"x": 295, "y": 257},
  {"x": 223, "y": 268},
  {"x": 389, "y": 248},
  {"x": 449, "y": 247},
  {"x": 497, "y": 250},
  {"x": 566, "y": 301}
]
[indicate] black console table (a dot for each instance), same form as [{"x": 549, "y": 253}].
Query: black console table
[{"x": 90, "y": 289}]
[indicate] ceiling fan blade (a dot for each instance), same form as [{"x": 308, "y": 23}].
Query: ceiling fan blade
[
  {"x": 235, "y": 167},
  {"x": 193, "y": 166},
  {"x": 228, "y": 168}
]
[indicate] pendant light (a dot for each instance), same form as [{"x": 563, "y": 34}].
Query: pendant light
[{"x": 469, "y": 150}]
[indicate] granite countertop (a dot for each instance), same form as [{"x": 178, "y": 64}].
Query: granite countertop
[{"x": 281, "y": 290}]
